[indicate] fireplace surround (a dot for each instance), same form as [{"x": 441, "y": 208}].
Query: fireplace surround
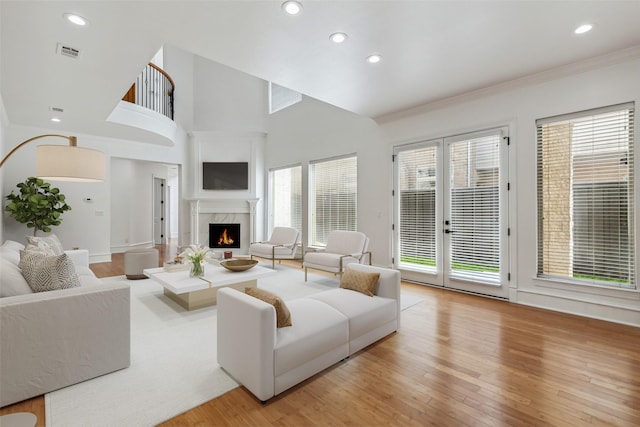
[{"x": 224, "y": 211}]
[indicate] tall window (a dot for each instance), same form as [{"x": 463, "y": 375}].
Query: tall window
[
  {"x": 334, "y": 197},
  {"x": 286, "y": 197},
  {"x": 586, "y": 197}
]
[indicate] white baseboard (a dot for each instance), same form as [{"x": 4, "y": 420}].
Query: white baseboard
[
  {"x": 124, "y": 248},
  {"x": 94, "y": 258},
  {"x": 618, "y": 314}
]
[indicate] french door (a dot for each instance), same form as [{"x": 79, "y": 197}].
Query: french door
[{"x": 451, "y": 222}]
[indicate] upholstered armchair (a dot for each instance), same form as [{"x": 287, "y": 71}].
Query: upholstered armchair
[
  {"x": 284, "y": 243},
  {"x": 343, "y": 248}
]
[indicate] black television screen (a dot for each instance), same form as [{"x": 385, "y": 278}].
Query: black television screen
[{"x": 225, "y": 176}]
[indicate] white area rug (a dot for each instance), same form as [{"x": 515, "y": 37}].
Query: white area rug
[{"x": 173, "y": 360}]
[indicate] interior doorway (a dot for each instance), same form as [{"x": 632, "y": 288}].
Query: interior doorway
[{"x": 159, "y": 211}]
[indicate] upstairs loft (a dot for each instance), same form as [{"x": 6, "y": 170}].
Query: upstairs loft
[{"x": 148, "y": 104}]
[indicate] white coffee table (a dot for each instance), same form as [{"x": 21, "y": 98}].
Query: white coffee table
[{"x": 197, "y": 292}]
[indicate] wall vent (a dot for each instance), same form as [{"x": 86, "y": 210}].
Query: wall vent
[{"x": 68, "y": 51}]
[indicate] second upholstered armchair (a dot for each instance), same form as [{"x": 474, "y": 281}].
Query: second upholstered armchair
[
  {"x": 343, "y": 248},
  {"x": 283, "y": 244}
]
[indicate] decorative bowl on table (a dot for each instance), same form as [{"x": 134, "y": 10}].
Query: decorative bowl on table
[{"x": 238, "y": 264}]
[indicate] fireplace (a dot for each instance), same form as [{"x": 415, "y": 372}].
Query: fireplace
[{"x": 222, "y": 236}]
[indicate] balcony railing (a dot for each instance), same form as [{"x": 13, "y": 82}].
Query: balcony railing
[{"x": 153, "y": 89}]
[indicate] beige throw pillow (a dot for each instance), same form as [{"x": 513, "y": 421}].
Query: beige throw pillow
[
  {"x": 51, "y": 241},
  {"x": 283, "y": 316},
  {"x": 360, "y": 281},
  {"x": 48, "y": 273}
]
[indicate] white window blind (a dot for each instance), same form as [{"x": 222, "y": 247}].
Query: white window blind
[
  {"x": 417, "y": 188},
  {"x": 334, "y": 197},
  {"x": 286, "y": 197},
  {"x": 586, "y": 197},
  {"x": 474, "y": 208}
]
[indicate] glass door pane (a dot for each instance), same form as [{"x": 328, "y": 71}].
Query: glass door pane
[{"x": 475, "y": 220}]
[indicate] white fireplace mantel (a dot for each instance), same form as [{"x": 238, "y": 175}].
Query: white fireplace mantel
[{"x": 200, "y": 208}]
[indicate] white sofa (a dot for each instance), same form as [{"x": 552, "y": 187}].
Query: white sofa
[
  {"x": 327, "y": 328},
  {"x": 50, "y": 340}
]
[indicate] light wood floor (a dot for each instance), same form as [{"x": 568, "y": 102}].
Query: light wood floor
[{"x": 457, "y": 360}]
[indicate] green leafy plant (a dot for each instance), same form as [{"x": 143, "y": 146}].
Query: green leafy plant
[{"x": 38, "y": 205}]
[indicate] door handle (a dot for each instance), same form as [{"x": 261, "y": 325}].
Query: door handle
[{"x": 449, "y": 231}]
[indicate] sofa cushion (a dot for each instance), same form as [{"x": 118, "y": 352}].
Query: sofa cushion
[
  {"x": 48, "y": 273},
  {"x": 361, "y": 281},
  {"x": 318, "y": 328},
  {"x": 283, "y": 316},
  {"x": 265, "y": 249},
  {"x": 364, "y": 313},
  {"x": 12, "y": 282},
  {"x": 10, "y": 251},
  {"x": 51, "y": 241}
]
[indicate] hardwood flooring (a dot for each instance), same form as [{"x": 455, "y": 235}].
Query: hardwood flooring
[{"x": 457, "y": 360}]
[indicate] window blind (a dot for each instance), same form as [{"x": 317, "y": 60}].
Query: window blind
[
  {"x": 286, "y": 197},
  {"x": 474, "y": 208},
  {"x": 417, "y": 225},
  {"x": 334, "y": 197},
  {"x": 585, "y": 196}
]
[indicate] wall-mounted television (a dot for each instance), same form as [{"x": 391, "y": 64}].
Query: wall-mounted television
[{"x": 225, "y": 175}]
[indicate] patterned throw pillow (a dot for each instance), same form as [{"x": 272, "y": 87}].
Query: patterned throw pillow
[
  {"x": 48, "y": 273},
  {"x": 283, "y": 316},
  {"x": 52, "y": 241},
  {"x": 360, "y": 281}
]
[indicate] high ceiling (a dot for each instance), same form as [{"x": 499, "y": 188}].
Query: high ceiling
[{"x": 430, "y": 50}]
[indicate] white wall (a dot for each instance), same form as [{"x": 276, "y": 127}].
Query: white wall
[
  {"x": 88, "y": 224},
  {"x": 4, "y": 122},
  {"x": 179, "y": 65},
  {"x": 313, "y": 130},
  {"x": 520, "y": 106},
  {"x": 132, "y": 211},
  {"x": 226, "y": 99}
]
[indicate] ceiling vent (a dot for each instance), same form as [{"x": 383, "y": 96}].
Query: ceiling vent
[
  {"x": 57, "y": 110},
  {"x": 67, "y": 51}
]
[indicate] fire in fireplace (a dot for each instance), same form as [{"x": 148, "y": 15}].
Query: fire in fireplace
[{"x": 224, "y": 236}]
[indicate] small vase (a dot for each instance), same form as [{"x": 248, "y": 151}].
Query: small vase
[{"x": 197, "y": 269}]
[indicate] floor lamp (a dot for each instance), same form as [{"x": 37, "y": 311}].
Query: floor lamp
[{"x": 65, "y": 162}]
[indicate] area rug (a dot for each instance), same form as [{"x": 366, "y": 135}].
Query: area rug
[{"x": 173, "y": 360}]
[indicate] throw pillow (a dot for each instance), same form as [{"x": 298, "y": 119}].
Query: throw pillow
[
  {"x": 52, "y": 241},
  {"x": 41, "y": 248},
  {"x": 48, "y": 273},
  {"x": 283, "y": 316},
  {"x": 360, "y": 281}
]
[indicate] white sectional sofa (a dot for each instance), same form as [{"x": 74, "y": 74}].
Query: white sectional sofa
[
  {"x": 326, "y": 328},
  {"x": 50, "y": 340}
]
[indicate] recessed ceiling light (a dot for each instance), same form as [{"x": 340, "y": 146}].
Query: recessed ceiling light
[
  {"x": 374, "y": 59},
  {"x": 76, "y": 19},
  {"x": 583, "y": 29},
  {"x": 55, "y": 119},
  {"x": 292, "y": 7},
  {"x": 338, "y": 37}
]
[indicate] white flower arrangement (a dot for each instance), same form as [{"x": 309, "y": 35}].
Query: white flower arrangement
[{"x": 197, "y": 255}]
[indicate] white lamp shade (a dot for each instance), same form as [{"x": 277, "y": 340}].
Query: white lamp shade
[{"x": 67, "y": 163}]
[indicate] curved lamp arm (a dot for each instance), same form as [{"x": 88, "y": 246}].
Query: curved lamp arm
[{"x": 73, "y": 142}]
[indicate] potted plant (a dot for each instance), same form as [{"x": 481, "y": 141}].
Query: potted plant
[{"x": 38, "y": 205}]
